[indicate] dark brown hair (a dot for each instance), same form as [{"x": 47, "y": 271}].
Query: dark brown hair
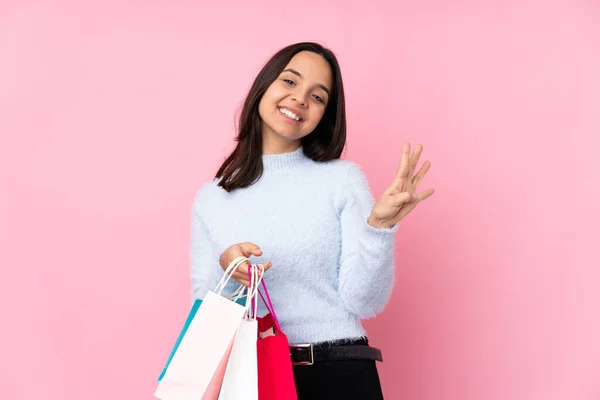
[{"x": 244, "y": 165}]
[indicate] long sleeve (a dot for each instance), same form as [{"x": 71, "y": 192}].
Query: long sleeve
[
  {"x": 330, "y": 267},
  {"x": 366, "y": 273},
  {"x": 203, "y": 261}
]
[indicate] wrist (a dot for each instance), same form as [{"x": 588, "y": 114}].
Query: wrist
[{"x": 379, "y": 224}]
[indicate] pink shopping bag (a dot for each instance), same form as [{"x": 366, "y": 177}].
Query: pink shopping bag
[{"x": 275, "y": 372}]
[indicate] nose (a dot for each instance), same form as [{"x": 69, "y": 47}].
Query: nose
[{"x": 299, "y": 96}]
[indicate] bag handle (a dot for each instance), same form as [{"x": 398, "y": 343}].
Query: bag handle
[
  {"x": 255, "y": 278},
  {"x": 229, "y": 272},
  {"x": 269, "y": 305},
  {"x": 254, "y": 298},
  {"x": 265, "y": 298},
  {"x": 238, "y": 293},
  {"x": 266, "y": 301}
]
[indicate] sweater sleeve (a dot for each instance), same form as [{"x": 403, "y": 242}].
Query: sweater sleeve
[
  {"x": 366, "y": 273},
  {"x": 203, "y": 261}
]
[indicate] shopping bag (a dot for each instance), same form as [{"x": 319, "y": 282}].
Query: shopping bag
[
  {"x": 241, "y": 376},
  {"x": 196, "y": 369},
  {"x": 241, "y": 300},
  {"x": 275, "y": 373}
]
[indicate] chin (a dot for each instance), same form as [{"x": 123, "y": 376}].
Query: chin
[
  {"x": 291, "y": 136},
  {"x": 286, "y": 133}
]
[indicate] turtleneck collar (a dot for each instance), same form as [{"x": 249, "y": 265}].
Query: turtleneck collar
[{"x": 284, "y": 160}]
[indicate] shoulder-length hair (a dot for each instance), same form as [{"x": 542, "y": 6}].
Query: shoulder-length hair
[{"x": 244, "y": 165}]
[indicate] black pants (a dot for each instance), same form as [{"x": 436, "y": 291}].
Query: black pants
[{"x": 338, "y": 379}]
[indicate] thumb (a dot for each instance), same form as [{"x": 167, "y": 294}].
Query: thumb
[
  {"x": 401, "y": 198},
  {"x": 267, "y": 265},
  {"x": 249, "y": 249}
]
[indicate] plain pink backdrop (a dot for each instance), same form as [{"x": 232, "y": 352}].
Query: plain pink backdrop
[{"x": 112, "y": 114}]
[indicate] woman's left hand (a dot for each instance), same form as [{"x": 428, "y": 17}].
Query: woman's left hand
[{"x": 401, "y": 197}]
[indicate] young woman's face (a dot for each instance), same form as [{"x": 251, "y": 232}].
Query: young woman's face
[{"x": 293, "y": 105}]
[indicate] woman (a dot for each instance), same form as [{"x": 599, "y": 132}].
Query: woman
[{"x": 285, "y": 197}]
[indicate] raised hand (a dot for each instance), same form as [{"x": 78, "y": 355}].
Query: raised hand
[{"x": 401, "y": 197}]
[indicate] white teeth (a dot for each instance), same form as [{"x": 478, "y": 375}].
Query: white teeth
[{"x": 289, "y": 114}]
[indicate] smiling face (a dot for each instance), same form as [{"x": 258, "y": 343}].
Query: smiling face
[{"x": 295, "y": 102}]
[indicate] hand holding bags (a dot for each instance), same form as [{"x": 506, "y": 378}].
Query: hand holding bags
[
  {"x": 197, "y": 367},
  {"x": 229, "y": 354}
]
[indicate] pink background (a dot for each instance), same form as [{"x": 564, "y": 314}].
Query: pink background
[{"x": 112, "y": 114}]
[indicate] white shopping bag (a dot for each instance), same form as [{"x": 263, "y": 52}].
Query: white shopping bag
[
  {"x": 241, "y": 377},
  {"x": 197, "y": 367}
]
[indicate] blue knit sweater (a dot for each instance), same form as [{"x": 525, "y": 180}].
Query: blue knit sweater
[{"x": 330, "y": 267}]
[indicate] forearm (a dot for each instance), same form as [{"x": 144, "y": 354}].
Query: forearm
[{"x": 367, "y": 273}]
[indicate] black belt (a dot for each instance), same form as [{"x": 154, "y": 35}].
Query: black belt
[{"x": 308, "y": 354}]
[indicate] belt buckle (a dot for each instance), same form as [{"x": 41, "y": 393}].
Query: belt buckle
[{"x": 311, "y": 354}]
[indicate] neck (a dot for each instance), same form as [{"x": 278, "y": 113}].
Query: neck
[{"x": 272, "y": 144}]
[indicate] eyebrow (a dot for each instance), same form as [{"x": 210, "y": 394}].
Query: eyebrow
[{"x": 293, "y": 71}]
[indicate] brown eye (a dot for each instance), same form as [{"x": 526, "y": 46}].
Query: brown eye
[
  {"x": 289, "y": 82},
  {"x": 319, "y": 99}
]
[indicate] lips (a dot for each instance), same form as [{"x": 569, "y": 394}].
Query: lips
[{"x": 291, "y": 113}]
